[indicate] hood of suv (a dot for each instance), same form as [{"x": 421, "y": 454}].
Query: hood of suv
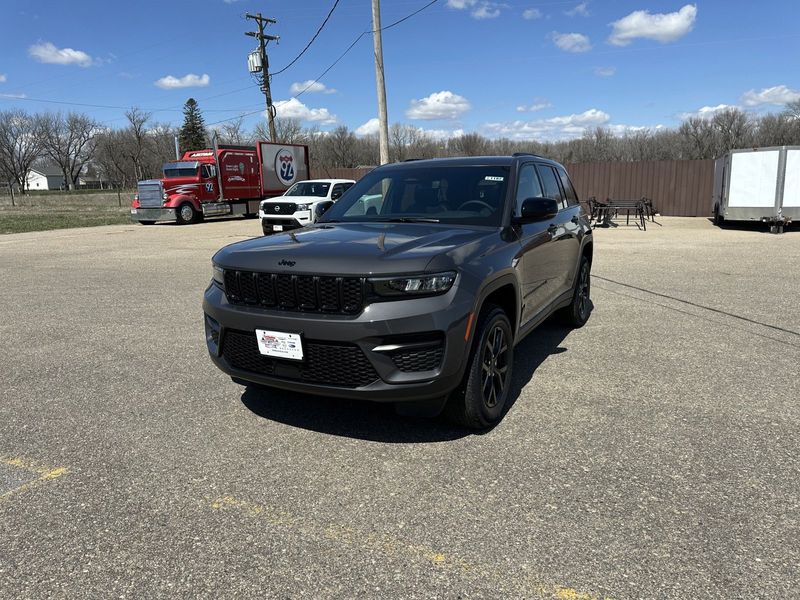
[{"x": 356, "y": 249}]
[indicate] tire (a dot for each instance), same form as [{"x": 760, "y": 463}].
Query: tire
[
  {"x": 480, "y": 402},
  {"x": 577, "y": 313},
  {"x": 147, "y": 222},
  {"x": 185, "y": 214}
]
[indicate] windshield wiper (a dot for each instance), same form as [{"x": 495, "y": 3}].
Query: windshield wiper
[{"x": 408, "y": 220}]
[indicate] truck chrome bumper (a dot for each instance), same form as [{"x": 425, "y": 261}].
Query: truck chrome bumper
[{"x": 152, "y": 214}]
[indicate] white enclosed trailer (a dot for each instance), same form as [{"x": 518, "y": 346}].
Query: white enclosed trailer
[{"x": 758, "y": 184}]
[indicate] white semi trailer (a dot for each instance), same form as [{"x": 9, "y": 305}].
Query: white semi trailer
[{"x": 758, "y": 184}]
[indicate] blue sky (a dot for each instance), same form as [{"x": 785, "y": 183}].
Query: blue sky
[{"x": 515, "y": 68}]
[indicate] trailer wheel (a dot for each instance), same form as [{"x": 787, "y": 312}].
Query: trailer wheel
[
  {"x": 185, "y": 214},
  {"x": 718, "y": 218}
]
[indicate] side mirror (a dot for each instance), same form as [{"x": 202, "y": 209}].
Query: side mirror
[{"x": 537, "y": 209}]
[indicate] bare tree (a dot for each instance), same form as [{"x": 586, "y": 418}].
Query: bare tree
[
  {"x": 70, "y": 142},
  {"x": 137, "y": 142},
  {"x": 734, "y": 130},
  {"x": 287, "y": 131},
  {"x": 20, "y": 144},
  {"x": 469, "y": 144},
  {"x": 233, "y": 131}
]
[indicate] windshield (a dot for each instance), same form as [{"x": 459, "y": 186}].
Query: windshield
[
  {"x": 309, "y": 188},
  {"x": 466, "y": 195},
  {"x": 172, "y": 173}
]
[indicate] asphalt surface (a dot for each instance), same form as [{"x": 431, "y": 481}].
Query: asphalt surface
[{"x": 651, "y": 454}]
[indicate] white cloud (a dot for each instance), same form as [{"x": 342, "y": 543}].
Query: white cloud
[
  {"x": 531, "y": 13},
  {"x": 536, "y": 106},
  {"x": 17, "y": 96},
  {"x": 46, "y": 52},
  {"x": 310, "y": 86},
  {"x": 777, "y": 95},
  {"x": 191, "y": 80},
  {"x": 572, "y": 42},
  {"x": 581, "y": 10},
  {"x": 371, "y": 127},
  {"x": 479, "y": 9},
  {"x": 556, "y": 128},
  {"x": 3, "y": 78},
  {"x": 294, "y": 109},
  {"x": 666, "y": 27},
  {"x": 439, "y": 105},
  {"x": 706, "y": 112},
  {"x": 442, "y": 134},
  {"x": 605, "y": 71}
]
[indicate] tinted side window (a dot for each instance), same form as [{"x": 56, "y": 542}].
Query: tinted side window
[
  {"x": 550, "y": 184},
  {"x": 528, "y": 186},
  {"x": 337, "y": 191},
  {"x": 346, "y": 186},
  {"x": 569, "y": 191}
]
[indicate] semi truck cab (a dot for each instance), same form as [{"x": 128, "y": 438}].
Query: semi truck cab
[{"x": 228, "y": 180}]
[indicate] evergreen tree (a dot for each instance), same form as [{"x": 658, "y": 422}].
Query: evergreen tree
[{"x": 193, "y": 131}]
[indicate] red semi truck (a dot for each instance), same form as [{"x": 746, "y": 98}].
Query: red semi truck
[{"x": 228, "y": 180}]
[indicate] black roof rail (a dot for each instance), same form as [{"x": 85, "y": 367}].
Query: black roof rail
[
  {"x": 516, "y": 154},
  {"x": 412, "y": 159}
]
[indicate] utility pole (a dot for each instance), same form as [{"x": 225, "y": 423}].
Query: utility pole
[
  {"x": 262, "y": 45},
  {"x": 383, "y": 118}
]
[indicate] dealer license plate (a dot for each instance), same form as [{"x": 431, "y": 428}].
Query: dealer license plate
[{"x": 279, "y": 344}]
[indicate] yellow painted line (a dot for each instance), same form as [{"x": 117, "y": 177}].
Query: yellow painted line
[
  {"x": 389, "y": 546},
  {"x": 44, "y": 473}
]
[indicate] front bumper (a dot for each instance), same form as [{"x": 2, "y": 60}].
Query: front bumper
[
  {"x": 153, "y": 214},
  {"x": 300, "y": 218},
  {"x": 378, "y": 325}
]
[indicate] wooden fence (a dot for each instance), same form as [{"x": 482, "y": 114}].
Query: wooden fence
[{"x": 680, "y": 188}]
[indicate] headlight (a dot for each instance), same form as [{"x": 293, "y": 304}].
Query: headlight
[
  {"x": 164, "y": 196},
  {"x": 414, "y": 285},
  {"x": 303, "y": 207},
  {"x": 136, "y": 197},
  {"x": 218, "y": 275}
]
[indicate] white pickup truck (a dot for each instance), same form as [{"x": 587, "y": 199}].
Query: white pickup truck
[{"x": 301, "y": 204}]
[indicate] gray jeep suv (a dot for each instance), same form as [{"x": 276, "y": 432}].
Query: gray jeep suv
[{"x": 413, "y": 288}]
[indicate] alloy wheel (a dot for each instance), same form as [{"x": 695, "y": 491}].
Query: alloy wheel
[{"x": 494, "y": 366}]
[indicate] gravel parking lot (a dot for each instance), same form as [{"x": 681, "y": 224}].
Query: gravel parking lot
[{"x": 655, "y": 453}]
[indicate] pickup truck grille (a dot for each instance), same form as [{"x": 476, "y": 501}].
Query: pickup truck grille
[
  {"x": 283, "y": 208},
  {"x": 306, "y": 293},
  {"x": 341, "y": 365},
  {"x": 150, "y": 194}
]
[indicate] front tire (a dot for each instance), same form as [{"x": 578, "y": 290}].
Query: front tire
[
  {"x": 481, "y": 402},
  {"x": 577, "y": 313},
  {"x": 185, "y": 214}
]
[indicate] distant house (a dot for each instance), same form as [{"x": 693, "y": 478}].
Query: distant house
[
  {"x": 91, "y": 178},
  {"x": 48, "y": 177}
]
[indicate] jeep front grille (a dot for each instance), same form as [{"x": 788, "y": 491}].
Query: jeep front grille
[{"x": 307, "y": 293}]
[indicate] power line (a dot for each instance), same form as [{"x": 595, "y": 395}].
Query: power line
[
  {"x": 308, "y": 45},
  {"x": 406, "y": 18}
]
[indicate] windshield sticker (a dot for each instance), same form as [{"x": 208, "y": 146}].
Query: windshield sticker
[{"x": 493, "y": 178}]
